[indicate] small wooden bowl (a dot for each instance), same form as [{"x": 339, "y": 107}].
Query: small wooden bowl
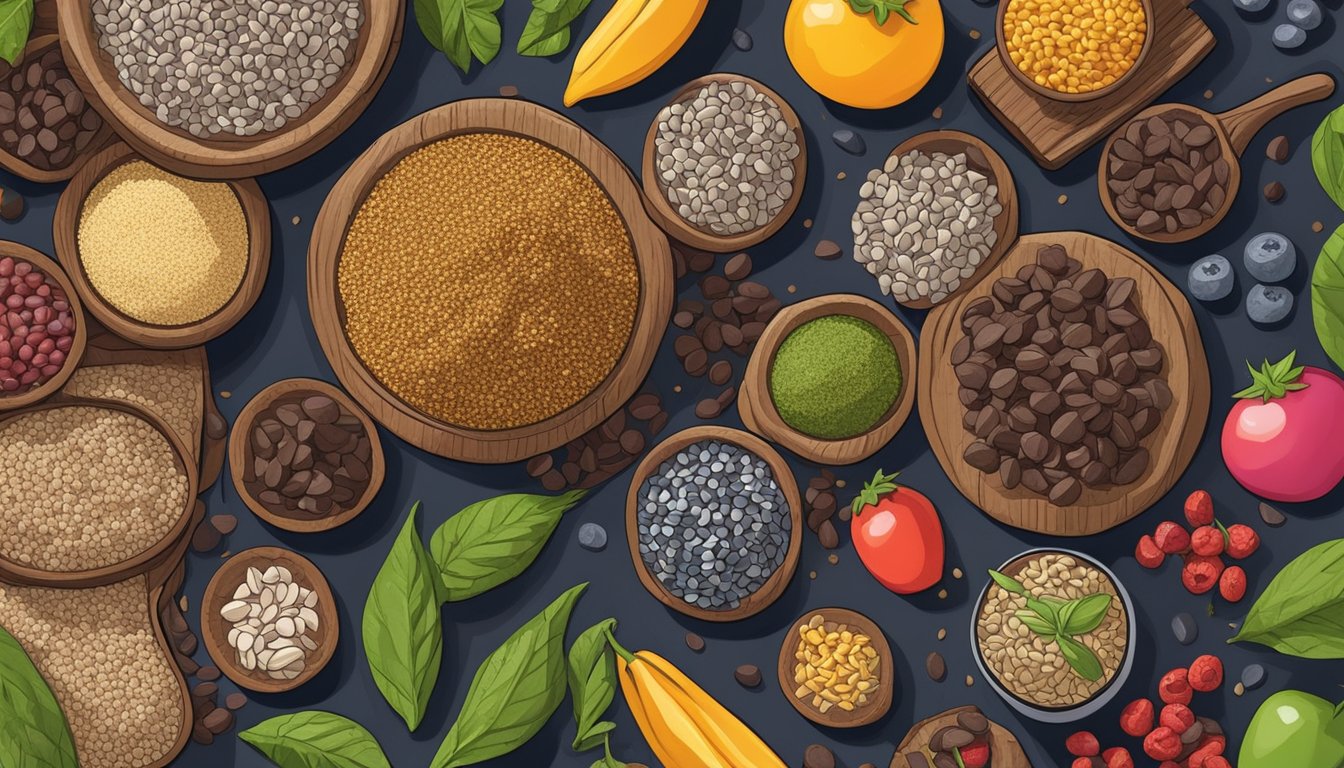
[
  {"x": 230, "y": 157},
  {"x": 240, "y": 455},
  {"x": 21, "y": 252},
  {"x": 1004, "y": 749},
  {"x": 870, "y": 713},
  {"x": 215, "y": 630},
  {"x": 666, "y": 217},
  {"x": 757, "y": 407},
  {"x": 65, "y": 232},
  {"x": 778, "y": 581},
  {"x": 1002, "y": 45}
]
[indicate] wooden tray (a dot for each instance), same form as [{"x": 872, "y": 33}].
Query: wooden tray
[
  {"x": 72, "y": 358},
  {"x": 778, "y": 581},
  {"x": 1001, "y": 45},
  {"x": 757, "y": 408},
  {"x": 231, "y": 157},
  {"x": 1055, "y": 131},
  {"x": 1172, "y": 445},
  {"x": 65, "y": 232},
  {"x": 652, "y": 257},
  {"x": 1004, "y": 749},
  {"x": 838, "y": 718}
]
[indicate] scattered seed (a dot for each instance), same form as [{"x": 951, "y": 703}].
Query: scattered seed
[
  {"x": 748, "y": 675},
  {"x": 695, "y": 642},
  {"x": 1274, "y": 191},
  {"x": 937, "y": 113},
  {"x": 828, "y": 250},
  {"x": 742, "y": 40},
  {"x": 508, "y": 91},
  {"x": 1238, "y": 689},
  {"x": 1317, "y": 226},
  {"x": 936, "y": 666},
  {"x": 1271, "y": 516},
  {"x": 956, "y": 573},
  {"x": 818, "y": 756},
  {"x": 1277, "y": 149}
]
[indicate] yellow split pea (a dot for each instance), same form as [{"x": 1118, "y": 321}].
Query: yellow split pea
[
  {"x": 163, "y": 249},
  {"x": 1074, "y": 46}
]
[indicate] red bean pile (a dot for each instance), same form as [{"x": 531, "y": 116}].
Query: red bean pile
[{"x": 37, "y": 329}]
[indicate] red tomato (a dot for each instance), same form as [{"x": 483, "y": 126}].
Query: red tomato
[{"x": 898, "y": 535}]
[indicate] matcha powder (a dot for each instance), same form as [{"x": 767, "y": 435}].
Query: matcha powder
[{"x": 835, "y": 377}]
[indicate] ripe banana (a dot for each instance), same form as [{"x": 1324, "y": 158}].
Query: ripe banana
[{"x": 635, "y": 38}]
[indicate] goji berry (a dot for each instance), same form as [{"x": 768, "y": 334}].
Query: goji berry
[
  {"x": 1200, "y": 573},
  {"x": 1199, "y": 509},
  {"x": 1171, "y": 538},
  {"x": 1147, "y": 552},
  {"x": 1232, "y": 584},
  {"x": 1177, "y": 717},
  {"x": 1136, "y": 719},
  {"x": 1174, "y": 688},
  {"x": 1207, "y": 541},
  {"x": 1213, "y": 739},
  {"x": 1207, "y": 751},
  {"x": 1083, "y": 744},
  {"x": 1118, "y": 757},
  {"x": 1242, "y": 541},
  {"x": 975, "y": 755},
  {"x": 1082, "y": 762},
  {"x": 1206, "y": 673},
  {"x": 1162, "y": 744},
  {"x": 1169, "y": 764},
  {"x": 1217, "y": 761}
]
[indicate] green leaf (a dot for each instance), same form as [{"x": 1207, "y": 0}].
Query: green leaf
[
  {"x": 1047, "y": 607},
  {"x": 515, "y": 691},
  {"x": 1301, "y": 612},
  {"x": 33, "y": 729},
  {"x": 462, "y": 29},
  {"x": 1327, "y": 155},
  {"x": 316, "y": 739},
  {"x": 16, "y": 22},
  {"x": 1327, "y": 294},
  {"x": 492, "y": 541},
  {"x": 1273, "y": 380},
  {"x": 547, "y": 29},
  {"x": 403, "y": 632},
  {"x": 607, "y": 761},
  {"x": 1081, "y": 658},
  {"x": 1038, "y": 624},
  {"x": 1085, "y": 614},
  {"x": 592, "y": 683},
  {"x": 1007, "y": 583}
]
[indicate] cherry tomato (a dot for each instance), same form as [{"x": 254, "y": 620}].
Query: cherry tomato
[{"x": 898, "y": 535}]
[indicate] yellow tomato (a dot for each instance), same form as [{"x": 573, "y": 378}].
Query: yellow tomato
[{"x": 850, "y": 58}]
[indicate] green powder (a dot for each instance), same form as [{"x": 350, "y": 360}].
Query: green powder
[{"x": 835, "y": 377}]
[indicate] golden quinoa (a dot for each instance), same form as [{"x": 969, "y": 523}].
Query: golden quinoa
[
  {"x": 163, "y": 249},
  {"x": 488, "y": 281},
  {"x": 1074, "y": 46}
]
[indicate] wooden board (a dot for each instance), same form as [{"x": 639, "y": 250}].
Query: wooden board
[
  {"x": 1056, "y": 131},
  {"x": 1004, "y": 749},
  {"x": 1171, "y": 445}
]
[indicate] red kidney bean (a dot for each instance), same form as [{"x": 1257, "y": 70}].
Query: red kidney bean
[{"x": 37, "y": 329}]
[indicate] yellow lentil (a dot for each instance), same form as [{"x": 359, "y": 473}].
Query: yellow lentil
[
  {"x": 488, "y": 281},
  {"x": 1074, "y": 46},
  {"x": 835, "y": 666},
  {"x": 163, "y": 249}
]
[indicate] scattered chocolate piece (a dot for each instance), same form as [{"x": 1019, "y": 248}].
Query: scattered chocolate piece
[
  {"x": 508, "y": 91},
  {"x": 219, "y": 721},
  {"x": 11, "y": 204},
  {"x": 602, "y": 452},
  {"x": 205, "y": 538},
  {"x": 748, "y": 675},
  {"x": 708, "y": 408},
  {"x": 235, "y": 701},
  {"x": 695, "y": 642},
  {"x": 742, "y": 40},
  {"x": 1271, "y": 516},
  {"x": 936, "y": 666},
  {"x": 216, "y": 428},
  {"x": 1274, "y": 191},
  {"x": 849, "y": 141},
  {"x": 1277, "y": 149},
  {"x": 738, "y": 267},
  {"x": 818, "y": 756},
  {"x": 208, "y": 674},
  {"x": 828, "y": 250},
  {"x": 827, "y": 535},
  {"x": 720, "y": 372},
  {"x": 225, "y": 524},
  {"x": 1185, "y": 629}
]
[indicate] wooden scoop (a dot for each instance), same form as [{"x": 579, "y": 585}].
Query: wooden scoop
[{"x": 1233, "y": 130}]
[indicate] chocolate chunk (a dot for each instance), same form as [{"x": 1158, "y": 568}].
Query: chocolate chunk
[
  {"x": 936, "y": 667},
  {"x": 748, "y": 675}
]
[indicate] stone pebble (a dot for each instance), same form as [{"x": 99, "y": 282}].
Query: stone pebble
[
  {"x": 1185, "y": 629},
  {"x": 1253, "y": 676},
  {"x": 849, "y": 141},
  {"x": 742, "y": 40},
  {"x": 592, "y": 537}
]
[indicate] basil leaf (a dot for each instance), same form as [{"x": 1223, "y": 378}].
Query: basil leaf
[
  {"x": 1081, "y": 658},
  {"x": 1008, "y": 583},
  {"x": 16, "y": 22},
  {"x": 492, "y": 541},
  {"x": 1301, "y": 612},
  {"x": 462, "y": 29},
  {"x": 1327, "y": 297},
  {"x": 403, "y": 632},
  {"x": 1036, "y": 624},
  {"x": 592, "y": 683},
  {"x": 316, "y": 740},
  {"x": 547, "y": 30},
  {"x": 1085, "y": 614},
  {"x": 515, "y": 691},
  {"x": 33, "y": 729},
  {"x": 607, "y": 761},
  {"x": 1047, "y": 607},
  {"x": 1327, "y": 155}
]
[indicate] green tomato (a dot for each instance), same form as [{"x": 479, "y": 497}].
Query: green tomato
[{"x": 1296, "y": 729}]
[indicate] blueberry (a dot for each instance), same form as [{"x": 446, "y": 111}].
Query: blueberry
[
  {"x": 1287, "y": 36},
  {"x": 1306, "y": 14},
  {"x": 1268, "y": 303},
  {"x": 1211, "y": 278},
  {"x": 592, "y": 537},
  {"x": 1270, "y": 257},
  {"x": 1251, "y": 6}
]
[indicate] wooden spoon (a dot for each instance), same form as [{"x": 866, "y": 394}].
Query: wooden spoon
[
  {"x": 1233, "y": 130},
  {"x": 878, "y": 705}
]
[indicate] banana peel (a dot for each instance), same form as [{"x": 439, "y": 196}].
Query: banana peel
[{"x": 633, "y": 40}]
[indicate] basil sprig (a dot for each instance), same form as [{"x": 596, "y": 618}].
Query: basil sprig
[{"x": 1062, "y": 621}]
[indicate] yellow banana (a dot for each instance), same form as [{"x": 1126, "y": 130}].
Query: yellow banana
[{"x": 635, "y": 38}]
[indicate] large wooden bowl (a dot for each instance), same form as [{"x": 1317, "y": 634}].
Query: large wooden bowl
[
  {"x": 1171, "y": 446},
  {"x": 836, "y": 717},
  {"x": 1004, "y": 749},
  {"x": 757, "y": 408},
  {"x": 778, "y": 581},
  {"x": 21, "y": 252},
  {"x": 652, "y": 258},
  {"x": 65, "y": 233},
  {"x": 682, "y": 230},
  {"x": 229, "y": 157},
  {"x": 1001, "y": 45}
]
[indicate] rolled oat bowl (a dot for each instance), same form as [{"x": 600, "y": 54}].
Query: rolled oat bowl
[{"x": 1054, "y": 634}]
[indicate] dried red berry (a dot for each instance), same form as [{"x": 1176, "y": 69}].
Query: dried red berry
[
  {"x": 1200, "y": 573},
  {"x": 1199, "y": 509},
  {"x": 1232, "y": 584},
  {"x": 1242, "y": 541},
  {"x": 1148, "y": 553},
  {"x": 1136, "y": 719},
  {"x": 1162, "y": 744},
  {"x": 1207, "y": 541},
  {"x": 1118, "y": 757},
  {"x": 1171, "y": 538},
  {"x": 1207, "y": 751},
  {"x": 1177, "y": 717},
  {"x": 1217, "y": 761},
  {"x": 1169, "y": 764},
  {"x": 1083, "y": 744},
  {"x": 1082, "y": 762},
  {"x": 975, "y": 755},
  {"x": 1174, "y": 688},
  {"x": 1206, "y": 673}
]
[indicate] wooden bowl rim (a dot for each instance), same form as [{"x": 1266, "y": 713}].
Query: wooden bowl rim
[
  {"x": 366, "y": 68},
  {"x": 218, "y": 592},
  {"x": 138, "y": 563},
  {"x": 1001, "y": 45},
  {"x": 683, "y": 231},
  {"x": 240, "y": 454},
  {"x": 757, "y": 408},
  {"x": 55, "y": 272},
  {"x": 1002, "y": 742},
  {"x": 886, "y": 675},
  {"x": 652, "y": 255},
  {"x": 773, "y": 587},
  {"x": 65, "y": 233}
]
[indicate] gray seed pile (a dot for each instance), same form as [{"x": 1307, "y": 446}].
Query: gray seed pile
[
  {"x": 713, "y": 525},
  {"x": 924, "y": 223},
  {"x": 725, "y": 158},
  {"x": 223, "y": 66}
]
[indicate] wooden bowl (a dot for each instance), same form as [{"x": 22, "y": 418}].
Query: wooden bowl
[
  {"x": 1002, "y": 45},
  {"x": 870, "y": 713},
  {"x": 981, "y": 157},
  {"x": 21, "y": 252},
  {"x": 65, "y": 232},
  {"x": 19, "y": 573},
  {"x": 215, "y": 630},
  {"x": 229, "y": 157},
  {"x": 655, "y": 197},
  {"x": 240, "y": 455},
  {"x": 1004, "y": 749},
  {"x": 1171, "y": 446},
  {"x": 778, "y": 581},
  {"x": 757, "y": 407},
  {"x": 652, "y": 257}
]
